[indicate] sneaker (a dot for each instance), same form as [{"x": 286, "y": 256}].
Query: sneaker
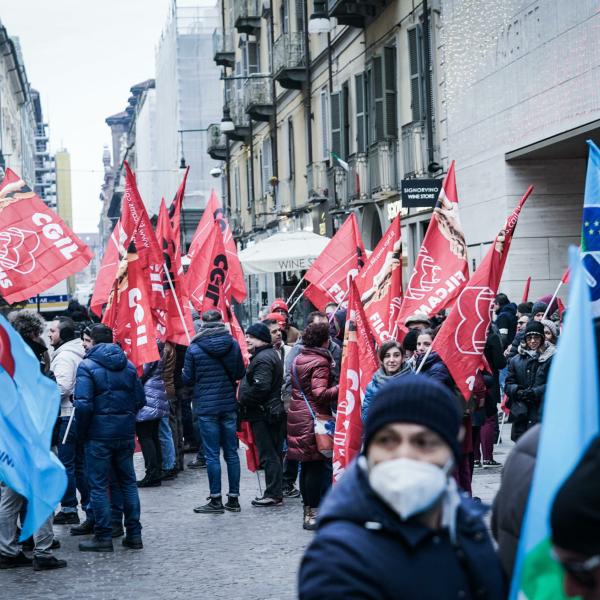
[
  {"x": 267, "y": 501},
  {"x": 232, "y": 504},
  {"x": 214, "y": 507},
  {"x": 145, "y": 483},
  {"x": 86, "y": 528},
  {"x": 477, "y": 464},
  {"x": 13, "y": 562},
  {"x": 310, "y": 518},
  {"x": 47, "y": 563},
  {"x": 197, "y": 463},
  {"x": 66, "y": 518},
  {"x": 134, "y": 544},
  {"x": 96, "y": 545},
  {"x": 491, "y": 463},
  {"x": 291, "y": 492}
]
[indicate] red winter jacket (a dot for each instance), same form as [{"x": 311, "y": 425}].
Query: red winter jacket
[{"x": 313, "y": 372}]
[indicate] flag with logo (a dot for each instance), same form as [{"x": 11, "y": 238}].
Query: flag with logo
[
  {"x": 441, "y": 268},
  {"x": 359, "y": 364},
  {"x": 571, "y": 420},
  {"x": 461, "y": 339},
  {"x": 37, "y": 248},
  {"x": 29, "y": 405},
  {"x": 379, "y": 284},
  {"x": 330, "y": 274},
  {"x": 175, "y": 213}
]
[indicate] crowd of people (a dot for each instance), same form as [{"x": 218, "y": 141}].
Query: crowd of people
[{"x": 400, "y": 511}]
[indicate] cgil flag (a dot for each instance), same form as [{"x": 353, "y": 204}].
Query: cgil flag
[
  {"x": 590, "y": 230},
  {"x": 330, "y": 274},
  {"x": 571, "y": 420},
  {"x": 37, "y": 248},
  {"x": 461, "y": 339},
  {"x": 359, "y": 364},
  {"x": 29, "y": 405},
  {"x": 441, "y": 269},
  {"x": 379, "y": 284}
]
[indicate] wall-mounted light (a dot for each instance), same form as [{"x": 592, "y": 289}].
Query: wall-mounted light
[{"x": 227, "y": 125}]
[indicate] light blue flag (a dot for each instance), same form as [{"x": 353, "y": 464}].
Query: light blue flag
[
  {"x": 590, "y": 229},
  {"x": 29, "y": 404},
  {"x": 571, "y": 419}
]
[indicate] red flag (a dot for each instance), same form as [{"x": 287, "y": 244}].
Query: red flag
[
  {"x": 461, "y": 339},
  {"x": 526, "y": 290},
  {"x": 128, "y": 312},
  {"x": 180, "y": 327},
  {"x": 441, "y": 268},
  {"x": 379, "y": 284},
  {"x": 175, "y": 212},
  {"x": 37, "y": 248},
  {"x": 566, "y": 275},
  {"x": 561, "y": 309},
  {"x": 214, "y": 212},
  {"x": 341, "y": 260},
  {"x": 359, "y": 363}
]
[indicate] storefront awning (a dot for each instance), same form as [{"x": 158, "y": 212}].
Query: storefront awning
[{"x": 283, "y": 252}]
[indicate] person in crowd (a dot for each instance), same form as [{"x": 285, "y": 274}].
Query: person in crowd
[
  {"x": 165, "y": 433},
  {"x": 31, "y": 327},
  {"x": 522, "y": 323},
  {"x": 193, "y": 437},
  {"x": 330, "y": 308},
  {"x": 396, "y": 517},
  {"x": 410, "y": 345},
  {"x": 513, "y": 349},
  {"x": 538, "y": 310},
  {"x": 262, "y": 406},
  {"x": 433, "y": 366},
  {"x": 526, "y": 381},
  {"x": 108, "y": 396},
  {"x": 213, "y": 366},
  {"x": 274, "y": 323},
  {"x": 575, "y": 525},
  {"x": 290, "y": 333},
  {"x": 391, "y": 359},
  {"x": 506, "y": 318},
  {"x": 313, "y": 393},
  {"x": 290, "y": 472},
  {"x": 551, "y": 305},
  {"x": 149, "y": 417},
  {"x": 511, "y": 500},
  {"x": 337, "y": 327},
  {"x": 550, "y": 331},
  {"x": 182, "y": 396},
  {"x": 418, "y": 321},
  {"x": 68, "y": 353},
  {"x": 524, "y": 309}
]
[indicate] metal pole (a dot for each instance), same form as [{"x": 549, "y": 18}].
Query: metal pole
[
  {"x": 296, "y": 301},
  {"x": 295, "y": 290},
  {"x": 187, "y": 333},
  {"x": 424, "y": 359},
  {"x": 64, "y": 441},
  {"x": 553, "y": 298}
]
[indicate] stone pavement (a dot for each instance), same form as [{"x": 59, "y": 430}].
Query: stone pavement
[{"x": 252, "y": 555}]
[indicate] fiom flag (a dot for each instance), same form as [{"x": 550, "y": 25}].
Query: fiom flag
[
  {"x": 29, "y": 406},
  {"x": 461, "y": 339},
  {"x": 571, "y": 420},
  {"x": 359, "y": 364},
  {"x": 37, "y": 248}
]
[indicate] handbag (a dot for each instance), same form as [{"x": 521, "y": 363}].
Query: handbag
[{"x": 324, "y": 425}]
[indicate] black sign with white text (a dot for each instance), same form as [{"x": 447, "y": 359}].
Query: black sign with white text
[{"x": 417, "y": 193}]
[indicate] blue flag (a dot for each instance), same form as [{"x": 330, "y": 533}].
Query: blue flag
[
  {"x": 29, "y": 405},
  {"x": 590, "y": 230},
  {"x": 571, "y": 419}
]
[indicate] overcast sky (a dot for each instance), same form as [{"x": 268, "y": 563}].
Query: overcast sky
[{"x": 83, "y": 56}]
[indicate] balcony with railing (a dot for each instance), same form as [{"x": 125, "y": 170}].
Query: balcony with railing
[
  {"x": 216, "y": 145},
  {"x": 358, "y": 173},
  {"x": 241, "y": 120},
  {"x": 355, "y": 13},
  {"x": 384, "y": 176},
  {"x": 414, "y": 148},
  {"x": 258, "y": 98},
  {"x": 223, "y": 49},
  {"x": 317, "y": 182},
  {"x": 289, "y": 60},
  {"x": 247, "y": 16},
  {"x": 338, "y": 181}
]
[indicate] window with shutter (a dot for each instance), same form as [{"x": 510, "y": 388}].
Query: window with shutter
[
  {"x": 300, "y": 15},
  {"x": 249, "y": 184},
  {"x": 345, "y": 118},
  {"x": 236, "y": 187},
  {"x": 325, "y": 124},
  {"x": 336, "y": 123},
  {"x": 267, "y": 166},
  {"x": 391, "y": 115},
  {"x": 415, "y": 61},
  {"x": 291, "y": 151},
  {"x": 377, "y": 96},
  {"x": 285, "y": 16},
  {"x": 253, "y": 53},
  {"x": 361, "y": 134}
]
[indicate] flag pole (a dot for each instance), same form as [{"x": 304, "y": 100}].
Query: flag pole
[
  {"x": 338, "y": 306},
  {"x": 187, "y": 333},
  {"x": 295, "y": 289},
  {"x": 296, "y": 301},
  {"x": 424, "y": 359},
  {"x": 68, "y": 427},
  {"x": 553, "y": 298}
]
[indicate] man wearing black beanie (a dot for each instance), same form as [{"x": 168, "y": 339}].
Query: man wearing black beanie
[{"x": 395, "y": 526}]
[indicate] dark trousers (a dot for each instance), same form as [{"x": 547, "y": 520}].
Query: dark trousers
[
  {"x": 147, "y": 432},
  {"x": 290, "y": 472},
  {"x": 312, "y": 476},
  {"x": 188, "y": 422},
  {"x": 101, "y": 456},
  {"x": 269, "y": 441},
  {"x": 176, "y": 424},
  {"x": 72, "y": 456}
]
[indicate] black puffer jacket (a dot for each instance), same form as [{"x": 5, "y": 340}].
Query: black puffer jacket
[{"x": 260, "y": 390}]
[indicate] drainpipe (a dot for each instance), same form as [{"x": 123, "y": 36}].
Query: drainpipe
[
  {"x": 308, "y": 98},
  {"x": 428, "y": 92},
  {"x": 251, "y": 190},
  {"x": 274, "y": 153}
]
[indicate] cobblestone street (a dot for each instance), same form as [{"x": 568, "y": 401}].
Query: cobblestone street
[{"x": 253, "y": 555}]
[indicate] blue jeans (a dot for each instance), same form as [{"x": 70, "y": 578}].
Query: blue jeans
[
  {"x": 100, "y": 455},
  {"x": 72, "y": 457},
  {"x": 219, "y": 431},
  {"x": 167, "y": 446},
  {"x": 198, "y": 433}
]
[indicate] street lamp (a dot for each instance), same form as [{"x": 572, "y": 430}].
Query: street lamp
[
  {"x": 182, "y": 163},
  {"x": 227, "y": 125}
]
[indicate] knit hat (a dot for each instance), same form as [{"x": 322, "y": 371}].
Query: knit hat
[
  {"x": 575, "y": 517},
  {"x": 551, "y": 325},
  {"x": 410, "y": 340},
  {"x": 279, "y": 304},
  {"x": 416, "y": 399},
  {"x": 534, "y": 327},
  {"x": 538, "y": 307},
  {"x": 276, "y": 317},
  {"x": 259, "y": 331}
]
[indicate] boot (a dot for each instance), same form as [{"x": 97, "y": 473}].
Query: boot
[
  {"x": 12, "y": 562},
  {"x": 310, "y": 518},
  {"x": 86, "y": 528},
  {"x": 64, "y": 518},
  {"x": 117, "y": 530},
  {"x": 133, "y": 543},
  {"x": 149, "y": 482},
  {"x": 232, "y": 504},
  {"x": 214, "y": 507},
  {"x": 96, "y": 545},
  {"x": 47, "y": 563}
]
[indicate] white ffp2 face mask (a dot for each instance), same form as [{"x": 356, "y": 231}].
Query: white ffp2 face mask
[{"x": 408, "y": 486}]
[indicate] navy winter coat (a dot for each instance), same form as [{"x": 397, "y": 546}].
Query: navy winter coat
[
  {"x": 212, "y": 354},
  {"x": 506, "y": 322},
  {"x": 435, "y": 368},
  {"x": 108, "y": 395},
  {"x": 363, "y": 550}
]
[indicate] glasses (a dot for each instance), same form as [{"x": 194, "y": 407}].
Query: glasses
[
  {"x": 581, "y": 571},
  {"x": 533, "y": 335}
]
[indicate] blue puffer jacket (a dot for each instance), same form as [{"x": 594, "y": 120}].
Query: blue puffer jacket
[
  {"x": 108, "y": 395},
  {"x": 158, "y": 378},
  {"x": 362, "y": 549},
  {"x": 211, "y": 353}
]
